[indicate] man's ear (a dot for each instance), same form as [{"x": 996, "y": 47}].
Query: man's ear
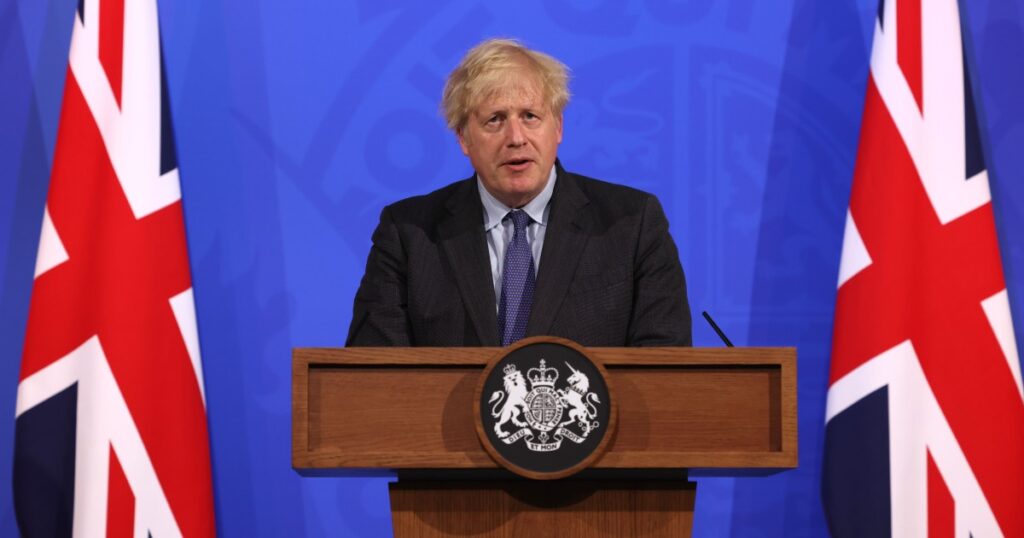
[
  {"x": 561, "y": 121},
  {"x": 462, "y": 141}
]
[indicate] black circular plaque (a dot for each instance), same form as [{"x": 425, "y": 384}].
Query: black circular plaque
[{"x": 545, "y": 409}]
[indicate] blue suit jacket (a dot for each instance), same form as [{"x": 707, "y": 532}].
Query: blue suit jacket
[{"x": 609, "y": 272}]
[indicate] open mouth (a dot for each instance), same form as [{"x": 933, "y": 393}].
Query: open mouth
[{"x": 517, "y": 163}]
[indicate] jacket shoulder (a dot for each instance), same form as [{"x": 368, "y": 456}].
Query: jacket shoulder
[
  {"x": 612, "y": 198},
  {"x": 427, "y": 208}
]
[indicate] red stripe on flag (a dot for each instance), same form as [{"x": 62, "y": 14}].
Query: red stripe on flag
[
  {"x": 120, "y": 502},
  {"x": 909, "y": 46},
  {"x": 925, "y": 284},
  {"x": 112, "y": 43},
  {"x": 941, "y": 515}
]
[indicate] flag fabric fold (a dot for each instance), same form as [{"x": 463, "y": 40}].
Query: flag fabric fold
[
  {"x": 925, "y": 412},
  {"x": 111, "y": 433}
]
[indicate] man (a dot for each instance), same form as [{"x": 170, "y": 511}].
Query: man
[{"x": 522, "y": 248}]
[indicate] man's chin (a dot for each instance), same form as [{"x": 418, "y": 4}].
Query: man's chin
[{"x": 520, "y": 192}]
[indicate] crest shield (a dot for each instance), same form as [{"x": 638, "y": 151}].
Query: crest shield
[{"x": 544, "y": 408}]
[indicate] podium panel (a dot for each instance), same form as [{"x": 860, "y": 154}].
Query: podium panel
[
  {"x": 411, "y": 409},
  {"x": 596, "y": 509},
  {"x": 404, "y": 408}
]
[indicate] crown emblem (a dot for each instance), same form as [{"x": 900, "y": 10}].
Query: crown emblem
[
  {"x": 510, "y": 369},
  {"x": 542, "y": 376}
]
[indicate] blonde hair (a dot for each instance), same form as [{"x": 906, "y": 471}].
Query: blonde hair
[{"x": 492, "y": 65}]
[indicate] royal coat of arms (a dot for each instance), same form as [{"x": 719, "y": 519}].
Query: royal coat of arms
[{"x": 541, "y": 414}]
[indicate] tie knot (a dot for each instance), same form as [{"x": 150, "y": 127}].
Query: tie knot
[{"x": 520, "y": 219}]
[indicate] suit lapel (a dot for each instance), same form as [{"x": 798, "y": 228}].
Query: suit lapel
[
  {"x": 564, "y": 241},
  {"x": 463, "y": 242}
]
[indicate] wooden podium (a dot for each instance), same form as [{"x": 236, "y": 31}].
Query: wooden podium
[{"x": 411, "y": 410}]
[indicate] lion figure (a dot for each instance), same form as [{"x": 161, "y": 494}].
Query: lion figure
[{"x": 512, "y": 406}]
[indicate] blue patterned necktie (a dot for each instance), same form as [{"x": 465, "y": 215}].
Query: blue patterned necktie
[{"x": 516, "y": 282}]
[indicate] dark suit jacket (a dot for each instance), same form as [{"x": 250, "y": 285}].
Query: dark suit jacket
[{"x": 609, "y": 272}]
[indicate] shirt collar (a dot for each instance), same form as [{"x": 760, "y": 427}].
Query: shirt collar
[{"x": 495, "y": 211}]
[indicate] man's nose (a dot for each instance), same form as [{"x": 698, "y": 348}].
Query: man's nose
[{"x": 515, "y": 135}]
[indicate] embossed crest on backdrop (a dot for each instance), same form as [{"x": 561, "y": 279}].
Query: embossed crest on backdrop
[{"x": 544, "y": 409}]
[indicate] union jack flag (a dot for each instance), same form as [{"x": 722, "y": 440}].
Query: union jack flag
[
  {"x": 111, "y": 433},
  {"x": 925, "y": 412}
]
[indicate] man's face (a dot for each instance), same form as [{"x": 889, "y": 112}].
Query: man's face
[{"x": 512, "y": 139}]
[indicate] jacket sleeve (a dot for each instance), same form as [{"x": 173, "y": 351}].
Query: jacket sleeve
[
  {"x": 379, "y": 314},
  {"x": 661, "y": 312}
]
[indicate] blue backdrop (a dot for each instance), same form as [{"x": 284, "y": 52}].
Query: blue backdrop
[{"x": 297, "y": 121}]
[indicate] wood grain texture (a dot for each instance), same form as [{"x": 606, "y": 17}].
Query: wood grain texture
[
  {"x": 413, "y": 407},
  {"x": 562, "y": 509}
]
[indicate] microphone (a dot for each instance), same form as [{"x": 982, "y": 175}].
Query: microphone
[{"x": 717, "y": 330}]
